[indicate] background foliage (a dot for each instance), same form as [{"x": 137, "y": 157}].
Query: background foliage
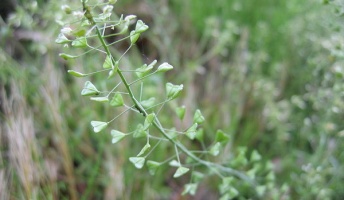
[{"x": 268, "y": 73}]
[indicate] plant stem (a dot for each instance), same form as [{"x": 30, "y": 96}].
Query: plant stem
[{"x": 156, "y": 121}]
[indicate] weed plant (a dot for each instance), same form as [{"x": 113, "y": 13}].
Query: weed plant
[
  {"x": 269, "y": 74},
  {"x": 94, "y": 33}
]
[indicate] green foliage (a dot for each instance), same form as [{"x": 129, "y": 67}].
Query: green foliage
[
  {"x": 151, "y": 119},
  {"x": 268, "y": 74}
]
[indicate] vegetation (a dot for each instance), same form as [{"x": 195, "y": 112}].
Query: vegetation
[{"x": 262, "y": 80}]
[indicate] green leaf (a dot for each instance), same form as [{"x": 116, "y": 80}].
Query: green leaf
[
  {"x": 89, "y": 89},
  {"x": 140, "y": 27},
  {"x": 221, "y": 137},
  {"x": 180, "y": 112},
  {"x": 200, "y": 135},
  {"x": 150, "y": 118},
  {"x": 143, "y": 70},
  {"x": 172, "y": 133},
  {"x": 153, "y": 63},
  {"x": 191, "y": 132},
  {"x": 79, "y": 32},
  {"x": 148, "y": 121},
  {"x": 173, "y": 90},
  {"x": 140, "y": 132},
  {"x": 85, "y": 23},
  {"x": 255, "y": 156},
  {"x": 190, "y": 188},
  {"x": 98, "y": 126},
  {"x": 174, "y": 163},
  {"x": 148, "y": 103},
  {"x": 233, "y": 192},
  {"x": 229, "y": 195},
  {"x": 76, "y": 74},
  {"x": 164, "y": 67},
  {"x": 197, "y": 176},
  {"x": 62, "y": 39},
  {"x": 108, "y": 63},
  {"x": 144, "y": 149},
  {"x": 134, "y": 37},
  {"x": 117, "y": 136},
  {"x": 226, "y": 184},
  {"x": 215, "y": 150},
  {"x": 114, "y": 70},
  {"x": 130, "y": 18},
  {"x": 152, "y": 166},
  {"x": 240, "y": 159},
  {"x": 80, "y": 42},
  {"x": 137, "y": 161},
  {"x": 270, "y": 177},
  {"x": 117, "y": 100},
  {"x": 198, "y": 117},
  {"x": 112, "y": 73},
  {"x": 261, "y": 190},
  {"x": 100, "y": 99},
  {"x": 180, "y": 172},
  {"x": 67, "y": 56}
]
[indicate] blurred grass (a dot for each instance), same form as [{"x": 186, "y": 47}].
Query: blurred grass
[{"x": 264, "y": 71}]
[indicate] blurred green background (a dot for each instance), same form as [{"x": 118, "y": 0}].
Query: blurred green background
[{"x": 270, "y": 73}]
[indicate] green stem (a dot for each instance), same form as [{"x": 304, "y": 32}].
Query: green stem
[{"x": 156, "y": 121}]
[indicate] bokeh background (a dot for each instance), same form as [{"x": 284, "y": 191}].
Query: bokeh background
[{"x": 269, "y": 73}]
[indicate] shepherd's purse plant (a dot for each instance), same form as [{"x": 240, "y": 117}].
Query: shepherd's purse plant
[{"x": 94, "y": 28}]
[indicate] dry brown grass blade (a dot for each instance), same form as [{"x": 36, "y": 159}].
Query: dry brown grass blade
[
  {"x": 50, "y": 93},
  {"x": 19, "y": 137}
]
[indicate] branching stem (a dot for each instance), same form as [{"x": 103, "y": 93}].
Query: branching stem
[{"x": 156, "y": 121}]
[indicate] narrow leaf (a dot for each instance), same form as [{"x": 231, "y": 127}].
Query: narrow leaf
[
  {"x": 164, "y": 67},
  {"x": 98, "y": 126},
  {"x": 137, "y": 161},
  {"x": 76, "y": 74},
  {"x": 100, "y": 99},
  {"x": 180, "y": 172},
  {"x": 144, "y": 149},
  {"x": 67, "y": 56},
  {"x": 117, "y": 136},
  {"x": 89, "y": 89},
  {"x": 117, "y": 100},
  {"x": 153, "y": 63},
  {"x": 130, "y": 18}
]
